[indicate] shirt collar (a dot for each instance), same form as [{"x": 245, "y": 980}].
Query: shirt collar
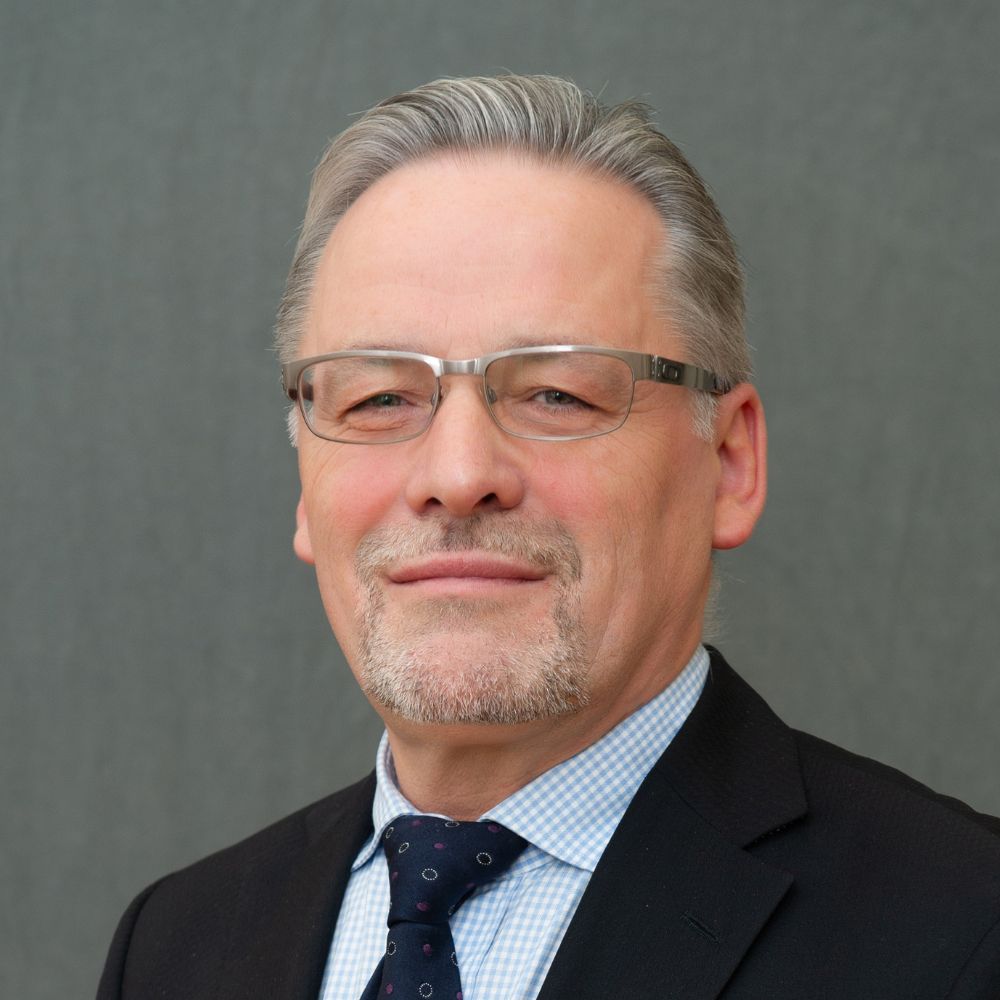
[
  {"x": 389, "y": 801},
  {"x": 597, "y": 783}
]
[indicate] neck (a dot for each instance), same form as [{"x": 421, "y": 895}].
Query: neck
[{"x": 462, "y": 771}]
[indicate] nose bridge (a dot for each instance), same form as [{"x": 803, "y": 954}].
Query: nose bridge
[
  {"x": 466, "y": 366},
  {"x": 462, "y": 411},
  {"x": 472, "y": 385},
  {"x": 466, "y": 461}
]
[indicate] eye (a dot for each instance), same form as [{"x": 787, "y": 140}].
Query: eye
[
  {"x": 380, "y": 400},
  {"x": 559, "y": 398}
]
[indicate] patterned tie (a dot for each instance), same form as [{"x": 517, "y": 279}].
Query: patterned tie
[{"x": 434, "y": 866}]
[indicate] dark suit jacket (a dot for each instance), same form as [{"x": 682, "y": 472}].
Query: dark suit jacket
[{"x": 754, "y": 862}]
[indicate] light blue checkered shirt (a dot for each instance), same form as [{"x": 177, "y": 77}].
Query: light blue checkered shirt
[{"x": 507, "y": 933}]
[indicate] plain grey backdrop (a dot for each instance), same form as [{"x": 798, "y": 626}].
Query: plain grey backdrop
[{"x": 169, "y": 683}]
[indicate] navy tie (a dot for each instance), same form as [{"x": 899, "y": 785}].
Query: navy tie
[{"x": 435, "y": 864}]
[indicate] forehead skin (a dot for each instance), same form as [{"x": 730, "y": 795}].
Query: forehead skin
[{"x": 513, "y": 275}]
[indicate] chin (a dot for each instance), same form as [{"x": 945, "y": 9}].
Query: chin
[{"x": 485, "y": 680}]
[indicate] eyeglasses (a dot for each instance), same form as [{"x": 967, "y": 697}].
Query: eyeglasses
[{"x": 551, "y": 393}]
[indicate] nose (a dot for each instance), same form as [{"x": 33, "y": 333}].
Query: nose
[{"x": 463, "y": 463}]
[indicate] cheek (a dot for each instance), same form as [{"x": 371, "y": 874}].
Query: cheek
[
  {"x": 347, "y": 493},
  {"x": 567, "y": 491},
  {"x": 593, "y": 503},
  {"x": 638, "y": 519}
]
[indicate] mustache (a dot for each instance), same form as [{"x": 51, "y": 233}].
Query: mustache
[{"x": 546, "y": 545}]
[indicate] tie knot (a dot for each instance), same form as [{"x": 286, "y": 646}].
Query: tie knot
[{"x": 435, "y": 864}]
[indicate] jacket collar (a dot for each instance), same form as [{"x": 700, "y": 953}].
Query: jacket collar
[
  {"x": 677, "y": 899},
  {"x": 280, "y": 938},
  {"x": 735, "y": 763}
]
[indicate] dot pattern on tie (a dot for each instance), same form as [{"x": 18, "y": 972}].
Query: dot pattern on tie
[{"x": 435, "y": 864}]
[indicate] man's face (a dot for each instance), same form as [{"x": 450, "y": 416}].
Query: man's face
[{"x": 471, "y": 576}]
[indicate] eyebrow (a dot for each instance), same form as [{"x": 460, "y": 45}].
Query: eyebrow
[
  {"x": 367, "y": 345},
  {"x": 413, "y": 347},
  {"x": 536, "y": 340}
]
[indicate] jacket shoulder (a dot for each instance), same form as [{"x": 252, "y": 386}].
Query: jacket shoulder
[
  {"x": 280, "y": 886},
  {"x": 876, "y": 789},
  {"x": 275, "y": 842}
]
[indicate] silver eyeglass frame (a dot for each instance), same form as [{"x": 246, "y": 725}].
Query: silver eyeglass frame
[{"x": 644, "y": 368}]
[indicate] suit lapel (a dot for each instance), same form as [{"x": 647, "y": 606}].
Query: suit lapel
[
  {"x": 289, "y": 913},
  {"x": 676, "y": 900}
]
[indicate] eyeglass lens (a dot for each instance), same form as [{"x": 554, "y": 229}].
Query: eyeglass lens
[{"x": 535, "y": 395}]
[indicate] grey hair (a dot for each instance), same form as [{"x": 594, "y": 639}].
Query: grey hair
[{"x": 698, "y": 280}]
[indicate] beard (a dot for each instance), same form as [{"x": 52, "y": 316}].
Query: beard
[{"x": 468, "y": 660}]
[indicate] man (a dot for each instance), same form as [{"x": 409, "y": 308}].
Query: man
[{"x": 513, "y": 335}]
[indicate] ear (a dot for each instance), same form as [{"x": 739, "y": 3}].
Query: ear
[
  {"x": 302, "y": 543},
  {"x": 741, "y": 446}
]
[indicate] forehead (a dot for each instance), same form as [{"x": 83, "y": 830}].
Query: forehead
[{"x": 466, "y": 255}]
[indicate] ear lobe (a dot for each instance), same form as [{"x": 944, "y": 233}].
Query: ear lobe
[
  {"x": 301, "y": 542},
  {"x": 741, "y": 445}
]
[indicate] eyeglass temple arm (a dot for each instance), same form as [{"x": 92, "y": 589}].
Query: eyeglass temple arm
[
  {"x": 689, "y": 376},
  {"x": 289, "y": 381}
]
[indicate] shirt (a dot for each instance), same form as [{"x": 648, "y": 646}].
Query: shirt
[{"x": 507, "y": 933}]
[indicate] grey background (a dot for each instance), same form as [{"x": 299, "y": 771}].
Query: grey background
[{"x": 169, "y": 683}]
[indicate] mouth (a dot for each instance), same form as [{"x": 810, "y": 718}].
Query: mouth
[{"x": 464, "y": 571}]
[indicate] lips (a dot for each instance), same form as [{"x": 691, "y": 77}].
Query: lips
[{"x": 464, "y": 566}]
